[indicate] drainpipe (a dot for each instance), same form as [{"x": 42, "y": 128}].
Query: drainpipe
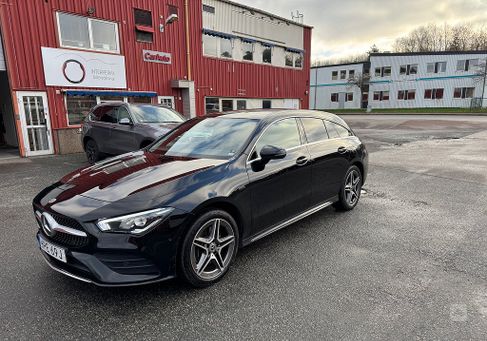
[{"x": 188, "y": 45}]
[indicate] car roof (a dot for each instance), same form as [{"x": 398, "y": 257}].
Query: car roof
[{"x": 273, "y": 114}]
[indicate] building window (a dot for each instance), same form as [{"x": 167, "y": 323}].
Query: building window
[
  {"x": 466, "y": 65},
  {"x": 349, "y": 97},
  {"x": 266, "y": 104},
  {"x": 343, "y": 74},
  {"x": 139, "y": 99},
  {"x": 227, "y": 105},
  {"x": 241, "y": 104},
  {"x": 172, "y": 9},
  {"x": 334, "y": 75},
  {"x": 381, "y": 95},
  {"x": 78, "y": 107},
  {"x": 298, "y": 60},
  {"x": 436, "y": 67},
  {"x": 210, "y": 45},
  {"x": 87, "y": 33},
  {"x": 351, "y": 74},
  {"x": 266, "y": 54},
  {"x": 406, "y": 95},
  {"x": 463, "y": 92},
  {"x": 409, "y": 69},
  {"x": 208, "y": 9},
  {"x": 289, "y": 59},
  {"x": 144, "y": 32},
  {"x": 384, "y": 71},
  {"x": 247, "y": 50},
  {"x": 433, "y": 93},
  {"x": 334, "y": 97},
  {"x": 294, "y": 59},
  {"x": 226, "y": 48},
  {"x": 212, "y": 105}
]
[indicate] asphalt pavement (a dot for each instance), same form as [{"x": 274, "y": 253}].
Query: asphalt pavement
[{"x": 410, "y": 262}]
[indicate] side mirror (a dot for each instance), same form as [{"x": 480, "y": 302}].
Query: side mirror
[
  {"x": 269, "y": 152},
  {"x": 125, "y": 121}
]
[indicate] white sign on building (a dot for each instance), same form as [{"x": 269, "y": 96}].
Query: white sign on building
[
  {"x": 156, "y": 57},
  {"x": 64, "y": 67}
]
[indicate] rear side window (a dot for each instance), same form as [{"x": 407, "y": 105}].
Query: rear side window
[
  {"x": 336, "y": 130},
  {"x": 282, "y": 134},
  {"x": 342, "y": 131},
  {"x": 314, "y": 129}
]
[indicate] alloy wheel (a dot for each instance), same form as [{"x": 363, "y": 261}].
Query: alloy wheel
[
  {"x": 352, "y": 187},
  {"x": 212, "y": 249}
]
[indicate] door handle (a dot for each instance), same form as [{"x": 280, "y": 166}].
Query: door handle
[
  {"x": 342, "y": 150},
  {"x": 302, "y": 160}
]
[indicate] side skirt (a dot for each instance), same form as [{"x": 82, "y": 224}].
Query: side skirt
[{"x": 288, "y": 222}]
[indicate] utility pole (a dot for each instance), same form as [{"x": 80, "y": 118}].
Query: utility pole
[{"x": 483, "y": 87}]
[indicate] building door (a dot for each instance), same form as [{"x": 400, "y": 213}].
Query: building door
[
  {"x": 36, "y": 124},
  {"x": 341, "y": 100},
  {"x": 167, "y": 101}
]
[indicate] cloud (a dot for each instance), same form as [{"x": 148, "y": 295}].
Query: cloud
[{"x": 344, "y": 27}]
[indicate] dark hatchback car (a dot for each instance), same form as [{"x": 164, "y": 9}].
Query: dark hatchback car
[
  {"x": 117, "y": 127},
  {"x": 187, "y": 203}
]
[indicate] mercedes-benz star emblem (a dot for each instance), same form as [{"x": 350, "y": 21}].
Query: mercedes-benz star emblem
[{"x": 46, "y": 226}]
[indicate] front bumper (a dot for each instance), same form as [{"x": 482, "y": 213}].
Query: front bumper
[{"x": 114, "y": 259}]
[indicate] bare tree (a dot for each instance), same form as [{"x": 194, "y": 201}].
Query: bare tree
[
  {"x": 360, "y": 80},
  {"x": 480, "y": 77},
  {"x": 445, "y": 37}
]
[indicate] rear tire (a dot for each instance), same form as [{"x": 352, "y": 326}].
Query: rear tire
[
  {"x": 208, "y": 249},
  {"x": 92, "y": 152},
  {"x": 350, "y": 190}
]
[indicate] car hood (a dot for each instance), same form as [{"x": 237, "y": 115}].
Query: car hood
[{"x": 132, "y": 174}]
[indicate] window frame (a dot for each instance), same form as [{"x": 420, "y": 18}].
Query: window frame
[
  {"x": 143, "y": 28},
  {"x": 251, "y": 160},
  {"x": 90, "y": 33},
  {"x": 334, "y": 75},
  {"x": 306, "y": 134}
]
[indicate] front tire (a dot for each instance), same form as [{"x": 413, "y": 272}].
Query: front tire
[
  {"x": 208, "y": 249},
  {"x": 350, "y": 190}
]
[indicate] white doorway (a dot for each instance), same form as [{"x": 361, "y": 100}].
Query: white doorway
[{"x": 36, "y": 124}]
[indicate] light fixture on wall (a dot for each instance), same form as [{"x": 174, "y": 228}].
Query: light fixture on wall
[
  {"x": 91, "y": 10},
  {"x": 172, "y": 18}
]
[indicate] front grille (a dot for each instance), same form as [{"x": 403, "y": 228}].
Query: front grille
[
  {"x": 69, "y": 240},
  {"x": 67, "y": 221},
  {"x": 61, "y": 238}
]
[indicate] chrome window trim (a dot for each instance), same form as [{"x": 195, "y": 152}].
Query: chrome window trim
[{"x": 249, "y": 162}]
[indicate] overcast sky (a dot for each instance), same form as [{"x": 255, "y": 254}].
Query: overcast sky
[{"x": 344, "y": 27}]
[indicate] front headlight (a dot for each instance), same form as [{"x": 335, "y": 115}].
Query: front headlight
[{"x": 136, "y": 223}]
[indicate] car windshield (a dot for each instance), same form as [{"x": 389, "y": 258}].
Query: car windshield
[
  {"x": 210, "y": 137},
  {"x": 155, "y": 114}
]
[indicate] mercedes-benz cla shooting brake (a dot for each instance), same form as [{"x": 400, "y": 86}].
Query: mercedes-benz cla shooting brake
[{"x": 185, "y": 204}]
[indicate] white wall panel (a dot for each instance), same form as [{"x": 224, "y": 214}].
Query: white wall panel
[{"x": 232, "y": 19}]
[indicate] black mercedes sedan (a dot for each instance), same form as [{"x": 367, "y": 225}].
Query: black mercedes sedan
[{"x": 185, "y": 204}]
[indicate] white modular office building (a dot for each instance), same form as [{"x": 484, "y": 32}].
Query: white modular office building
[{"x": 405, "y": 80}]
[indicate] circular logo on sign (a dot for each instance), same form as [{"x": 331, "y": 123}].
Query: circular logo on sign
[{"x": 74, "y": 71}]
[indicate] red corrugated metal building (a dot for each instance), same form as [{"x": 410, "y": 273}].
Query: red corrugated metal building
[{"x": 61, "y": 57}]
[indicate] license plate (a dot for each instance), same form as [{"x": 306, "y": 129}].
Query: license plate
[{"x": 52, "y": 250}]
